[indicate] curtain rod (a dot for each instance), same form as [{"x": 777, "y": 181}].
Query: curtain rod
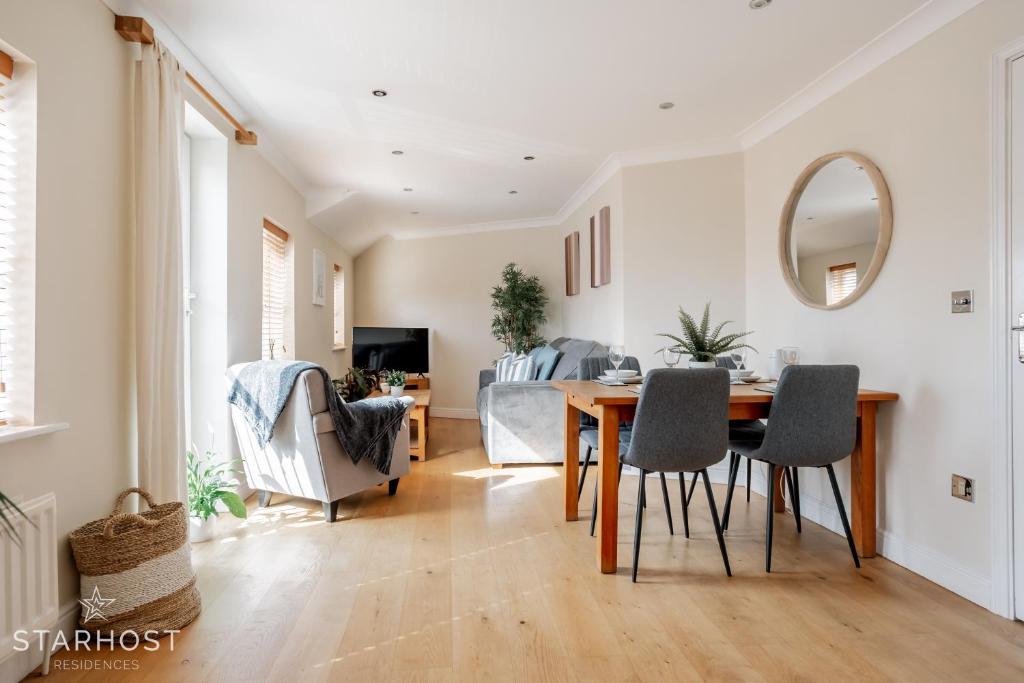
[{"x": 138, "y": 30}]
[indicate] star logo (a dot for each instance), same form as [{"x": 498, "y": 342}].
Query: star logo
[{"x": 91, "y": 607}]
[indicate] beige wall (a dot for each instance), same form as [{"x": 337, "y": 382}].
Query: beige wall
[
  {"x": 813, "y": 270},
  {"x": 924, "y": 119},
  {"x": 445, "y": 284},
  {"x": 684, "y": 246},
  {"x": 82, "y": 265}
]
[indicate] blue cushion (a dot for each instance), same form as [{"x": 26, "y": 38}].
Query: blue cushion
[{"x": 546, "y": 358}]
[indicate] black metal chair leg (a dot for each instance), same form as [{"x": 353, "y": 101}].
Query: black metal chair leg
[
  {"x": 734, "y": 465},
  {"x": 794, "y": 503},
  {"x": 714, "y": 518},
  {"x": 771, "y": 518},
  {"x": 693, "y": 485},
  {"x": 794, "y": 491},
  {"x": 583, "y": 474},
  {"x": 640, "y": 496},
  {"x": 593, "y": 511},
  {"x": 668, "y": 505},
  {"x": 684, "y": 506},
  {"x": 842, "y": 515},
  {"x": 748, "y": 480}
]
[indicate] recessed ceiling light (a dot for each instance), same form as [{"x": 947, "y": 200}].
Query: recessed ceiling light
[
  {"x": 759, "y": 4},
  {"x": 860, "y": 168},
  {"x": 528, "y": 158},
  {"x": 407, "y": 189},
  {"x": 874, "y": 199},
  {"x": 810, "y": 218},
  {"x": 415, "y": 213},
  {"x": 380, "y": 93},
  {"x": 397, "y": 152},
  {"x": 666, "y": 105},
  {"x": 513, "y": 191}
]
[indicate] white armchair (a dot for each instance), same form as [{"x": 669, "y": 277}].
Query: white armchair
[{"x": 304, "y": 458}]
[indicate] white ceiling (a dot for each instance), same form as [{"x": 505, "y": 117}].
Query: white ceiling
[
  {"x": 475, "y": 85},
  {"x": 838, "y": 208}
]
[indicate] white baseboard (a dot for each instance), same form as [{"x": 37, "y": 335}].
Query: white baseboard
[{"x": 454, "y": 413}]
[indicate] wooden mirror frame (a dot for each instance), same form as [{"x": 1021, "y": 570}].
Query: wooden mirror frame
[{"x": 884, "y": 229}]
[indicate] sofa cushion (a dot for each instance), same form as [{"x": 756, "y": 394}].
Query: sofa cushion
[
  {"x": 573, "y": 351},
  {"x": 546, "y": 358},
  {"x": 516, "y": 369}
]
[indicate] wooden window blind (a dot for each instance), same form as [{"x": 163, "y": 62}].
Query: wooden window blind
[
  {"x": 842, "y": 280},
  {"x": 339, "y": 306},
  {"x": 275, "y": 291},
  {"x": 8, "y": 243}
]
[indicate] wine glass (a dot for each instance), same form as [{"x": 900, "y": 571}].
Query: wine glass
[
  {"x": 616, "y": 354},
  {"x": 739, "y": 357},
  {"x": 671, "y": 356}
]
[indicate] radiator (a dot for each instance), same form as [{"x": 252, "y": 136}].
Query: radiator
[{"x": 28, "y": 575}]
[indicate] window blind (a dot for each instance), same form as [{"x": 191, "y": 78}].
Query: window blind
[
  {"x": 842, "y": 280},
  {"x": 7, "y": 226},
  {"x": 275, "y": 291},
  {"x": 339, "y": 306}
]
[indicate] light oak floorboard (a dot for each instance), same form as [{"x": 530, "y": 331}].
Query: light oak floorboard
[{"x": 470, "y": 574}]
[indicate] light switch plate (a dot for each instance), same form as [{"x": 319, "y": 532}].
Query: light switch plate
[
  {"x": 963, "y": 488},
  {"x": 963, "y": 301}
]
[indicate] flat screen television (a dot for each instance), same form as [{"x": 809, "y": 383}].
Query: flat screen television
[{"x": 391, "y": 348}]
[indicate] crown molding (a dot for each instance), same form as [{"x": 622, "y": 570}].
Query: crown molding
[
  {"x": 903, "y": 35},
  {"x": 494, "y": 226},
  {"x": 688, "y": 150}
]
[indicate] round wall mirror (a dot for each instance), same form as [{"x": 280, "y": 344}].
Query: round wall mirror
[{"x": 835, "y": 230}]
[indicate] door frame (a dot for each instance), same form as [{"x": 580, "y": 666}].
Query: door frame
[{"x": 1002, "y": 582}]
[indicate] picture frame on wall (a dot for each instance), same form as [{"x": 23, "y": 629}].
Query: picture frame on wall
[
  {"x": 572, "y": 264},
  {"x": 600, "y": 247},
  {"x": 319, "y": 278}
]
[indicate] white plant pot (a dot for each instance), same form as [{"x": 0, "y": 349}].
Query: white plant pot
[
  {"x": 200, "y": 530},
  {"x": 397, "y": 391},
  {"x": 696, "y": 364},
  {"x": 385, "y": 388}
]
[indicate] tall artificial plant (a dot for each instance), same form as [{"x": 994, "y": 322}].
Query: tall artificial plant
[
  {"x": 700, "y": 341},
  {"x": 518, "y": 302},
  {"x": 207, "y": 484}
]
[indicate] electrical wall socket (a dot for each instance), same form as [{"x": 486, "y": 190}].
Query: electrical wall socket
[{"x": 963, "y": 488}]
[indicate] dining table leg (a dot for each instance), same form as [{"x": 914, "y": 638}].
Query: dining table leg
[
  {"x": 862, "y": 481},
  {"x": 571, "y": 466},
  {"x": 608, "y": 489}
]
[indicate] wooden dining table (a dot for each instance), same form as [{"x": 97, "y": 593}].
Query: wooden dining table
[{"x": 612, "y": 405}]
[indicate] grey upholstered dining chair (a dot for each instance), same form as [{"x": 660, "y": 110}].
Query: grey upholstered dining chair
[
  {"x": 812, "y": 423},
  {"x": 681, "y": 425},
  {"x": 591, "y": 368}
]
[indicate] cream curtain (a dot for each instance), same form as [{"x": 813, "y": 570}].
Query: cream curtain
[{"x": 158, "y": 115}]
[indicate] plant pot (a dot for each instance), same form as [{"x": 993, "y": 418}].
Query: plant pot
[
  {"x": 200, "y": 530},
  {"x": 397, "y": 391},
  {"x": 698, "y": 364},
  {"x": 385, "y": 388}
]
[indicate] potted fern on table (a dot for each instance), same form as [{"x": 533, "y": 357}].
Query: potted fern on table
[{"x": 702, "y": 343}]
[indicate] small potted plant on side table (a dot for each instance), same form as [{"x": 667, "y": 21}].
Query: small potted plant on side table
[
  {"x": 703, "y": 344},
  {"x": 396, "y": 380},
  {"x": 207, "y": 485}
]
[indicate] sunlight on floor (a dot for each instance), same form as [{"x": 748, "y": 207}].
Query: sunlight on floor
[{"x": 515, "y": 475}]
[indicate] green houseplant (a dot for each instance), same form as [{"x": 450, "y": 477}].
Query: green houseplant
[
  {"x": 7, "y": 511},
  {"x": 518, "y": 303},
  {"x": 396, "y": 381},
  {"x": 356, "y": 385},
  {"x": 207, "y": 484},
  {"x": 702, "y": 343}
]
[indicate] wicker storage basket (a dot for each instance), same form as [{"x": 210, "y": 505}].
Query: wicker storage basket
[{"x": 141, "y": 566}]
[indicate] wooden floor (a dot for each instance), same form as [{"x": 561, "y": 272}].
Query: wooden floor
[{"x": 469, "y": 573}]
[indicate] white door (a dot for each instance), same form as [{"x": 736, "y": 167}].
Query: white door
[{"x": 1017, "y": 321}]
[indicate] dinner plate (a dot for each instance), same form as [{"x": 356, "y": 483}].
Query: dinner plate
[{"x": 753, "y": 379}]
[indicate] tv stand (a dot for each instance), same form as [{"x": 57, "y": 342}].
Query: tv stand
[{"x": 420, "y": 382}]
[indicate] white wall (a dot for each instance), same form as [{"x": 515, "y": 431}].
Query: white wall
[
  {"x": 445, "y": 284},
  {"x": 82, "y": 265},
  {"x": 684, "y": 246},
  {"x": 924, "y": 119}
]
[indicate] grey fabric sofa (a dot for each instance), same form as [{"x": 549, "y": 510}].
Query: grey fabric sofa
[{"x": 522, "y": 422}]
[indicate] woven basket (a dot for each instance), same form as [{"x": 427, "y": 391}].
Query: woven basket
[{"x": 141, "y": 564}]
